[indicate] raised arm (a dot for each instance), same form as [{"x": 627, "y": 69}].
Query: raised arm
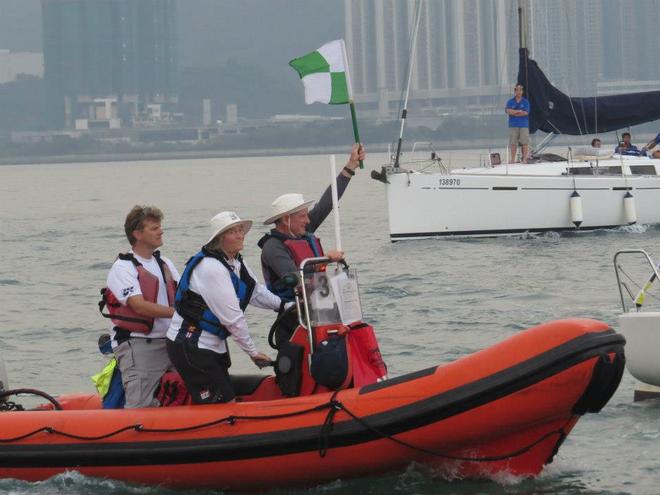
[{"x": 324, "y": 205}]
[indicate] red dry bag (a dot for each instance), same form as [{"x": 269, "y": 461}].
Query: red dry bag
[{"x": 366, "y": 360}]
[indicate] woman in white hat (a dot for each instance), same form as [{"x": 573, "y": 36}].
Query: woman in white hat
[
  {"x": 213, "y": 293},
  {"x": 292, "y": 239}
]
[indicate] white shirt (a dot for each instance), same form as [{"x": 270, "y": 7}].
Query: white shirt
[
  {"x": 123, "y": 282},
  {"x": 211, "y": 280}
]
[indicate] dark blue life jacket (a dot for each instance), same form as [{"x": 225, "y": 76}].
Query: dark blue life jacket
[{"x": 192, "y": 307}]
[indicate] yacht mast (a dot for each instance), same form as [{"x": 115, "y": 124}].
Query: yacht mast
[
  {"x": 522, "y": 23},
  {"x": 411, "y": 61}
]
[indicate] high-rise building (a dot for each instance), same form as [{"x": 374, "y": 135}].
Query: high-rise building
[
  {"x": 630, "y": 40},
  {"x": 465, "y": 53},
  {"x": 467, "y": 50},
  {"x": 118, "y": 50},
  {"x": 567, "y": 42}
]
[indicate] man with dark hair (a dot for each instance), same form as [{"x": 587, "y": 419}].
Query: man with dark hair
[
  {"x": 140, "y": 294},
  {"x": 626, "y": 147},
  {"x": 517, "y": 108}
]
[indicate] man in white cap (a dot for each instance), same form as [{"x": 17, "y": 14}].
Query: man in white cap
[
  {"x": 139, "y": 296},
  {"x": 292, "y": 239},
  {"x": 214, "y": 291}
]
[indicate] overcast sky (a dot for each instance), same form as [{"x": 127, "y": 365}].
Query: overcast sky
[{"x": 212, "y": 31}]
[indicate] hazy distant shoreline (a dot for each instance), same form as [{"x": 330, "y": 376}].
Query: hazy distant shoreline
[
  {"x": 173, "y": 155},
  {"x": 189, "y": 154},
  {"x": 464, "y": 144}
]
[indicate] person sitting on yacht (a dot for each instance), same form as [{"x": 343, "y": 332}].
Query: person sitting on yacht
[
  {"x": 651, "y": 144},
  {"x": 626, "y": 147},
  {"x": 595, "y": 143}
]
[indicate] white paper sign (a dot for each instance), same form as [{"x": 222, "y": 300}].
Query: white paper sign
[{"x": 347, "y": 295}]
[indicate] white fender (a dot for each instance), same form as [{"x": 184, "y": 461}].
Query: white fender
[
  {"x": 575, "y": 204},
  {"x": 629, "y": 210}
]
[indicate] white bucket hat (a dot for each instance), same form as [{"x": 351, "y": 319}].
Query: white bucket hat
[
  {"x": 287, "y": 204},
  {"x": 226, "y": 220}
]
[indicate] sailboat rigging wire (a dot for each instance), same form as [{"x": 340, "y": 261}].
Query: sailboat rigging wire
[
  {"x": 522, "y": 42},
  {"x": 413, "y": 44},
  {"x": 570, "y": 98},
  {"x": 523, "y": 24},
  {"x": 570, "y": 167},
  {"x": 596, "y": 112},
  {"x": 584, "y": 117},
  {"x": 577, "y": 120},
  {"x": 501, "y": 75}
]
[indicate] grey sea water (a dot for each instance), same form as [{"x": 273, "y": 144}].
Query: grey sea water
[{"x": 431, "y": 301}]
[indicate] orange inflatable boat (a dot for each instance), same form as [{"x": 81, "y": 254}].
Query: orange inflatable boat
[{"x": 507, "y": 408}]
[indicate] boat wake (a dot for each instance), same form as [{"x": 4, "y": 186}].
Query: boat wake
[
  {"x": 73, "y": 482},
  {"x": 546, "y": 236},
  {"x": 552, "y": 236},
  {"x": 636, "y": 228}
]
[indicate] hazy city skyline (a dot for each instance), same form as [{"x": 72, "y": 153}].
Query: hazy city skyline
[
  {"x": 211, "y": 32},
  {"x": 466, "y": 60}
]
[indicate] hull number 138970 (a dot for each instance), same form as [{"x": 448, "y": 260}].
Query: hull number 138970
[{"x": 449, "y": 181}]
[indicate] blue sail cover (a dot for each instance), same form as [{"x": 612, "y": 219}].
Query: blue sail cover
[{"x": 554, "y": 112}]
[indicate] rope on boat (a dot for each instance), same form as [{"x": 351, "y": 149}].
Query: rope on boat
[
  {"x": 336, "y": 405},
  {"x": 326, "y": 429},
  {"x": 231, "y": 419},
  {"x": 333, "y": 405},
  {"x": 31, "y": 391}
]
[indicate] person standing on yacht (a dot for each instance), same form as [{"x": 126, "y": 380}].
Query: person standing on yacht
[{"x": 517, "y": 108}]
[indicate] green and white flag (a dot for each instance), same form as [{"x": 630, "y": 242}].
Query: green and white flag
[{"x": 324, "y": 74}]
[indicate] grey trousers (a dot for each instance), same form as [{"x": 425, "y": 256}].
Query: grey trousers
[{"x": 142, "y": 362}]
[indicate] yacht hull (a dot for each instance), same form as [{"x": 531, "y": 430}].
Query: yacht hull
[
  {"x": 642, "y": 332},
  {"x": 422, "y": 205}
]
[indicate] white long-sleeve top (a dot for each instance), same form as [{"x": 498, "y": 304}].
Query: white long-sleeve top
[{"x": 211, "y": 280}]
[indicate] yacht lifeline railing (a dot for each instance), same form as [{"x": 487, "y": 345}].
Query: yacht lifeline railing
[{"x": 639, "y": 298}]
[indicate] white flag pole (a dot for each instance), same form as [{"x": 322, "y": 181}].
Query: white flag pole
[{"x": 335, "y": 201}]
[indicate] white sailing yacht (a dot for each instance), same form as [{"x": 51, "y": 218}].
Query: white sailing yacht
[{"x": 585, "y": 189}]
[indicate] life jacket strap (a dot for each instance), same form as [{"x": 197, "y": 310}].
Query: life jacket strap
[{"x": 106, "y": 302}]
